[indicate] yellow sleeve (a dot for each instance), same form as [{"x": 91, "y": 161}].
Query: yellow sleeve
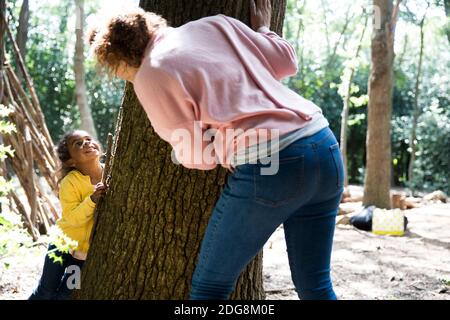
[{"x": 75, "y": 210}]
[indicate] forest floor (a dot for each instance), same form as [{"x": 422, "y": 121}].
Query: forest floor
[
  {"x": 366, "y": 266},
  {"x": 415, "y": 266}
]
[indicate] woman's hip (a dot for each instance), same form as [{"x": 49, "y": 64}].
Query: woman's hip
[{"x": 293, "y": 175}]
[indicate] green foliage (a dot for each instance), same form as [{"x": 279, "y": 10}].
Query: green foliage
[
  {"x": 5, "y": 128},
  {"x": 432, "y": 168},
  {"x": 314, "y": 27},
  {"x": 62, "y": 243},
  {"x": 49, "y": 58},
  {"x": 321, "y": 77},
  {"x": 13, "y": 237}
]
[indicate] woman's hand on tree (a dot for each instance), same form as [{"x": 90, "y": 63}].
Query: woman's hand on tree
[
  {"x": 260, "y": 13},
  {"x": 99, "y": 190}
]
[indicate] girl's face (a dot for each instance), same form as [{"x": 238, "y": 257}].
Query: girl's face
[{"x": 82, "y": 148}]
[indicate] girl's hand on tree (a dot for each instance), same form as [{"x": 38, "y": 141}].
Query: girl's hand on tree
[
  {"x": 99, "y": 190},
  {"x": 260, "y": 13}
]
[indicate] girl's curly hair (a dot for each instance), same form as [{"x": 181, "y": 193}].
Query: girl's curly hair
[{"x": 123, "y": 38}]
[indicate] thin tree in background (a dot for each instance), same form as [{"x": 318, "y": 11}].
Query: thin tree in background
[
  {"x": 349, "y": 74},
  {"x": 22, "y": 32},
  {"x": 22, "y": 29},
  {"x": 87, "y": 122},
  {"x": 2, "y": 36},
  {"x": 299, "y": 41},
  {"x": 153, "y": 218},
  {"x": 447, "y": 13},
  {"x": 377, "y": 182},
  {"x": 417, "y": 110}
]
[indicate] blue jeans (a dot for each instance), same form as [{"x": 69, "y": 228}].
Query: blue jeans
[
  {"x": 53, "y": 282},
  {"x": 303, "y": 196}
]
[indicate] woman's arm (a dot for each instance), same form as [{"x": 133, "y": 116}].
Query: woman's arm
[
  {"x": 279, "y": 52},
  {"x": 276, "y": 53}
]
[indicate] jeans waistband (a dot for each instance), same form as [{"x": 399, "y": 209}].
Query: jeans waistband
[{"x": 316, "y": 139}]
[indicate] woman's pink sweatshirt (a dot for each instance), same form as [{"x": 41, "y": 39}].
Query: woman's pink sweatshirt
[{"x": 213, "y": 75}]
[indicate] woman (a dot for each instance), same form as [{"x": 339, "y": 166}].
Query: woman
[{"x": 207, "y": 78}]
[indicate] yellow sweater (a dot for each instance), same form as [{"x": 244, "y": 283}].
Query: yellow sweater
[{"x": 77, "y": 208}]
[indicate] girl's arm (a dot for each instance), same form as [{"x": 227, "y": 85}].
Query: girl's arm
[{"x": 75, "y": 211}]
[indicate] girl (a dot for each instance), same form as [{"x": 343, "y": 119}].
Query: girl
[
  {"x": 214, "y": 75},
  {"x": 80, "y": 189}
]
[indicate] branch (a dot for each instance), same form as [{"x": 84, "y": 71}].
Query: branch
[
  {"x": 393, "y": 22},
  {"x": 395, "y": 13}
]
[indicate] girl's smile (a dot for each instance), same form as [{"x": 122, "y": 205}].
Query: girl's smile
[{"x": 92, "y": 149}]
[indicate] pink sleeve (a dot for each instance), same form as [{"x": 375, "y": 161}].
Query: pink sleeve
[
  {"x": 172, "y": 116},
  {"x": 279, "y": 54}
]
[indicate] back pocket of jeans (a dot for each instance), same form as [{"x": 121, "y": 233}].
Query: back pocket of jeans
[
  {"x": 338, "y": 163},
  {"x": 275, "y": 190}
]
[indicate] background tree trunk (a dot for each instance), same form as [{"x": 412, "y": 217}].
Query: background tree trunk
[
  {"x": 346, "y": 103},
  {"x": 153, "y": 219},
  {"x": 2, "y": 36},
  {"x": 417, "y": 110},
  {"x": 22, "y": 29},
  {"x": 87, "y": 122},
  {"x": 22, "y": 32},
  {"x": 378, "y": 163}
]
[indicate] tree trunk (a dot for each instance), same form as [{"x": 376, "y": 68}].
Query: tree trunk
[
  {"x": 325, "y": 22},
  {"x": 378, "y": 164},
  {"x": 153, "y": 218},
  {"x": 416, "y": 110},
  {"x": 346, "y": 107},
  {"x": 87, "y": 123},
  {"x": 22, "y": 29},
  {"x": 2, "y": 37}
]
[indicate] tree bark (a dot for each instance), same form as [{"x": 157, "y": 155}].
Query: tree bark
[
  {"x": 153, "y": 218},
  {"x": 87, "y": 122},
  {"x": 2, "y": 35},
  {"x": 378, "y": 163}
]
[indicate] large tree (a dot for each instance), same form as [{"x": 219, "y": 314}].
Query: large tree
[
  {"x": 152, "y": 221},
  {"x": 377, "y": 182}
]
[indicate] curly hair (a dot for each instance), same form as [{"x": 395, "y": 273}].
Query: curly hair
[{"x": 123, "y": 38}]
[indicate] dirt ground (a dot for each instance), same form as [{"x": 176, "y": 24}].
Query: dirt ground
[{"x": 364, "y": 265}]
